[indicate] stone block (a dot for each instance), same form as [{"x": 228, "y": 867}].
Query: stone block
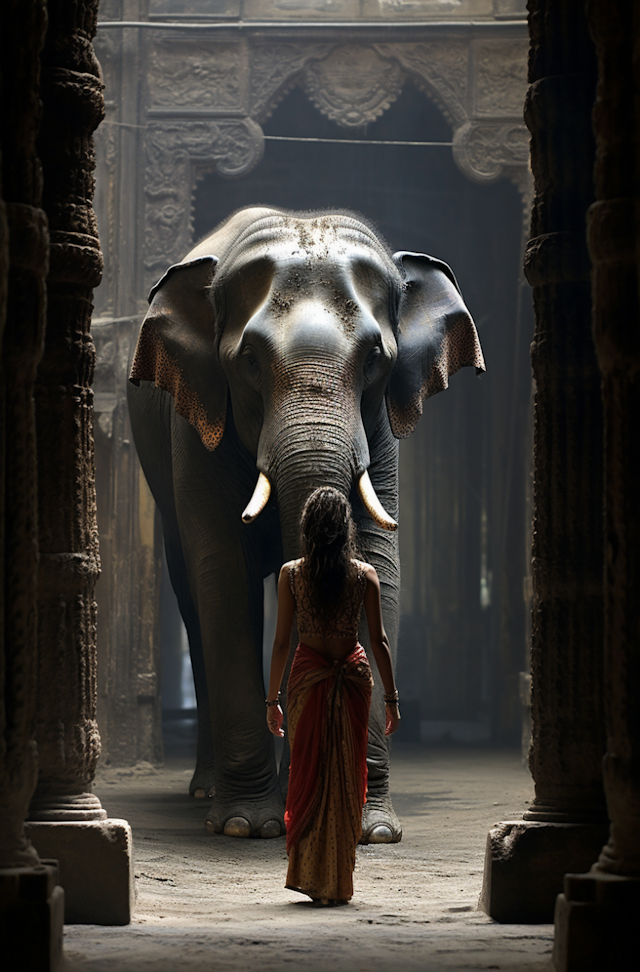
[
  {"x": 596, "y": 923},
  {"x": 31, "y": 918},
  {"x": 525, "y": 864},
  {"x": 95, "y": 860}
]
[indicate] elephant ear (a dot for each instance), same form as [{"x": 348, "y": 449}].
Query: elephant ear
[
  {"x": 436, "y": 337},
  {"x": 178, "y": 348}
]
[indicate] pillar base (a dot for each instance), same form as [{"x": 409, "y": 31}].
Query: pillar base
[
  {"x": 596, "y": 923},
  {"x": 525, "y": 864},
  {"x": 95, "y": 862},
  {"x": 31, "y": 918}
]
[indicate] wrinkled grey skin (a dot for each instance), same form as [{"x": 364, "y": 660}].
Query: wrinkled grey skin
[{"x": 295, "y": 346}]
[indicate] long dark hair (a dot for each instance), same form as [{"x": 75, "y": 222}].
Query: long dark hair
[{"x": 328, "y": 537}]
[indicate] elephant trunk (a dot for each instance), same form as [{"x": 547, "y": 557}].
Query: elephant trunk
[
  {"x": 299, "y": 468},
  {"x": 312, "y": 436}
]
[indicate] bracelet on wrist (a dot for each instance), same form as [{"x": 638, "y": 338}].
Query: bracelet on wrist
[
  {"x": 392, "y": 696},
  {"x": 275, "y": 701}
]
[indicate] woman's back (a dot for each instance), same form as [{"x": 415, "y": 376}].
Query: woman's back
[{"x": 334, "y": 629}]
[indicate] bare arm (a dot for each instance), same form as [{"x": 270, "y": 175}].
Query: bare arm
[
  {"x": 380, "y": 646},
  {"x": 281, "y": 644}
]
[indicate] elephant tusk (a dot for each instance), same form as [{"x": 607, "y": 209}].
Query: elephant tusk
[
  {"x": 373, "y": 504},
  {"x": 259, "y": 499}
]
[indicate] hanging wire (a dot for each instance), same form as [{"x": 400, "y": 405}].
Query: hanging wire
[
  {"x": 352, "y": 141},
  {"x": 329, "y": 141},
  {"x": 382, "y": 25}
]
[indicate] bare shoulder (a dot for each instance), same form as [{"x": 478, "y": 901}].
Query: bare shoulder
[{"x": 368, "y": 570}]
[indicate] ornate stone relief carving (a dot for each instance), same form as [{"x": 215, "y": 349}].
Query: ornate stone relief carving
[
  {"x": 500, "y": 74},
  {"x": 230, "y": 146},
  {"x": 440, "y": 70},
  {"x": 353, "y": 85},
  {"x": 484, "y": 151},
  {"x": 191, "y": 74}
]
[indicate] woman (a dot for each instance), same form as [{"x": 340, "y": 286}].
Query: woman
[{"x": 328, "y": 696}]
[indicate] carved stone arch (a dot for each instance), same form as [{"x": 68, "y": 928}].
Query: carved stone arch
[
  {"x": 489, "y": 136},
  {"x": 438, "y": 70},
  {"x": 276, "y": 68},
  {"x": 349, "y": 83}
]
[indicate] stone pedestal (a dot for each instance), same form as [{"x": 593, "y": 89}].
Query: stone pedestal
[
  {"x": 95, "y": 864},
  {"x": 525, "y": 864},
  {"x": 31, "y": 918},
  {"x": 596, "y": 923}
]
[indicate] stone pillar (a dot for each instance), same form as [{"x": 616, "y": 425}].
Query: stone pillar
[
  {"x": 31, "y": 902},
  {"x": 596, "y": 916},
  {"x": 67, "y": 820},
  {"x": 526, "y": 859}
]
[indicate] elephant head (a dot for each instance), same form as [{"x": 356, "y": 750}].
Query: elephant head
[{"x": 304, "y": 326}]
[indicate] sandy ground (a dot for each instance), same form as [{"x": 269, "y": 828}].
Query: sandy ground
[{"x": 214, "y": 902}]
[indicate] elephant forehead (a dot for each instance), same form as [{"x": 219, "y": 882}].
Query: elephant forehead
[{"x": 285, "y": 239}]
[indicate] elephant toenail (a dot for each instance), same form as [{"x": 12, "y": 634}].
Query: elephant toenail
[
  {"x": 208, "y": 826},
  {"x": 381, "y": 835},
  {"x": 199, "y": 794},
  {"x": 270, "y": 829},
  {"x": 237, "y": 827}
]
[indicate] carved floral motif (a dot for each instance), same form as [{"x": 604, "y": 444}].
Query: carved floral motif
[{"x": 353, "y": 85}]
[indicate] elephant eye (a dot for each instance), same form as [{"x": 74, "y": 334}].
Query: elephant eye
[
  {"x": 372, "y": 363},
  {"x": 252, "y": 364}
]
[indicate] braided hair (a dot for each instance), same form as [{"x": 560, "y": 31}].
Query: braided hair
[{"x": 328, "y": 546}]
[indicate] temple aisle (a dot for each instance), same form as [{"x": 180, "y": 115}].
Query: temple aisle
[{"x": 219, "y": 903}]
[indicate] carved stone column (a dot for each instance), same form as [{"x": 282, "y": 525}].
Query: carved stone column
[
  {"x": 29, "y": 895},
  {"x": 596, "y": 917},
  {"x": 526, "y": 859},
  {"x": 70, "y": 817}
]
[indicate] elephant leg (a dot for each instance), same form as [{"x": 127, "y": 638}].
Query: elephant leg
[
  {"x": 202, "y": 783},
  {"x": 247, "y": 801},
  {"x": 225, "y": 564},
  {"x": 380, "y": 823},
  {"x": 153, "y": 422}
]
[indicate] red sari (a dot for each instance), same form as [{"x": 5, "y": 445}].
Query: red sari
[{"x": 328, "y": 714}]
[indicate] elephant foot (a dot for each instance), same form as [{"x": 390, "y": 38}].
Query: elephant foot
[
  {"x": 380, "y": 824},
  {"x": 263, "y": 819},
  {"x": 202, "y": 783}
]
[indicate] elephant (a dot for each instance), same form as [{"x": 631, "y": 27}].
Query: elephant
[{"x": 286, "y": 351}]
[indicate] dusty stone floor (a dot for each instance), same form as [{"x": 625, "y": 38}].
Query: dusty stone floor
[{"x": 214, "y": 902}]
